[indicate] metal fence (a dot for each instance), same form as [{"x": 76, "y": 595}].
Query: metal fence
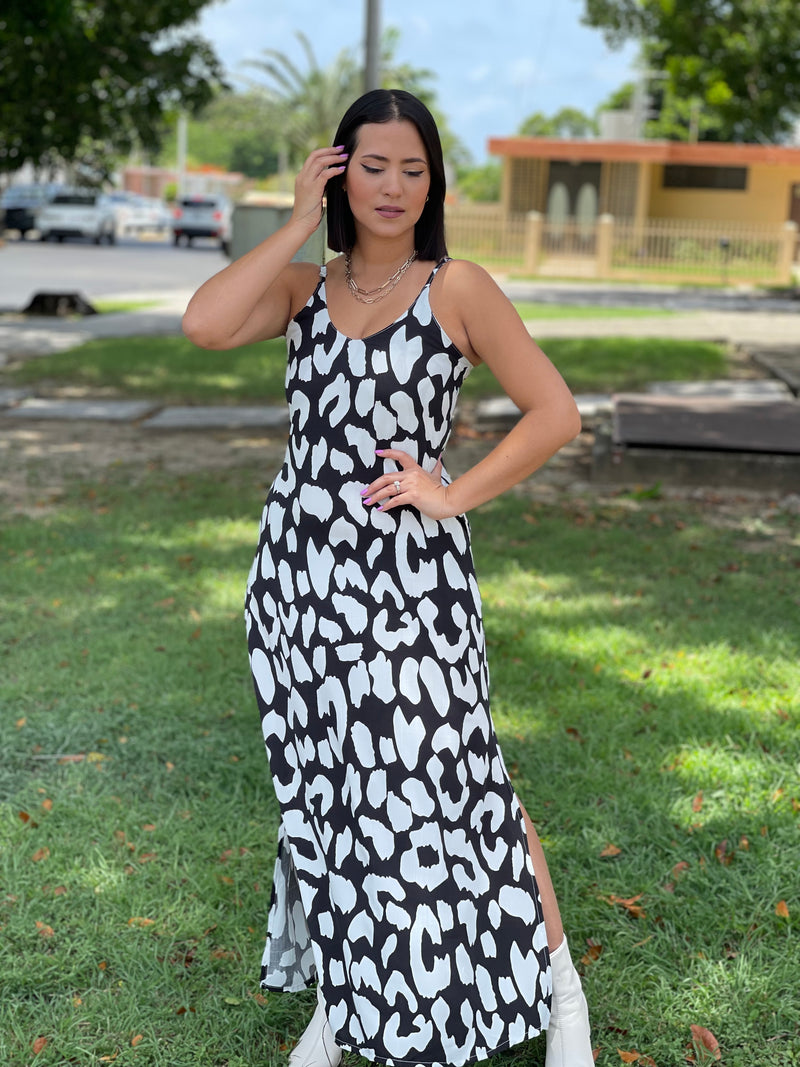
[
  {"x": 658, "y": 249},
  {"x": 720, "y": 251},
  {"x": 482, "y": 232}
]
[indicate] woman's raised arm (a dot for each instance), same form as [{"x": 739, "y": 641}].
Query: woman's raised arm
[{"x": 251, "y": 299}]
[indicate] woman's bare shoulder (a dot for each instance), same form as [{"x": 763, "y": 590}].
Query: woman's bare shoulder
[{"x": 301, "y": 281}]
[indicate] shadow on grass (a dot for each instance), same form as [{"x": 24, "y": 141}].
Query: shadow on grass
[{"x": 644, "y": 670}]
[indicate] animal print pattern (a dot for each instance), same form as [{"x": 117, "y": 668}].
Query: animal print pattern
[{"x": 403, "y": 881}]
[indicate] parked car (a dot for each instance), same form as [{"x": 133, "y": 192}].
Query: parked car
[
  {"x": 149, "y": 213},
  {"x": 19, "y": 204},
  {"x": 206, "y": 215},
  {"x": 78, "y": 213}
]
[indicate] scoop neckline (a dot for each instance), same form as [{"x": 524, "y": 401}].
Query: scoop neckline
[{"x": 383, "y": 329}]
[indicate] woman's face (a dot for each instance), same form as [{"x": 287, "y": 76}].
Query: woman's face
[{"x": 387, "y": 178}]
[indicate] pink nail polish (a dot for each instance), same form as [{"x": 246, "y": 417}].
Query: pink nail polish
[
  {"x": 368, "y": 500},
  {"x": 378, "y": 451},
  {"x": 363, "y": 491}
]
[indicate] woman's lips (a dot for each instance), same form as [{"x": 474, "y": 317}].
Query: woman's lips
[{"x": 390, "y": 212}]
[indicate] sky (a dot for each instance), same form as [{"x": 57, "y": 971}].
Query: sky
[{"x": 495, "y": 61}]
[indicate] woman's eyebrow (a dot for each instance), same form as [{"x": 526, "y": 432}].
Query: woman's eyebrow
[{"x": 383, "y": 159}]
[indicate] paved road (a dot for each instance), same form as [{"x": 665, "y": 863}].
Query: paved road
[
  {"x": 129, "y": 267},
  {"x": 146, "y": 267}
]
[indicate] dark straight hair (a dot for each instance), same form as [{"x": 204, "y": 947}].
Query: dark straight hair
[{"x": 390, "y": 105}]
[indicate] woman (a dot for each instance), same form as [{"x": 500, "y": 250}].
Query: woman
[{"x": 409, "y": 881}]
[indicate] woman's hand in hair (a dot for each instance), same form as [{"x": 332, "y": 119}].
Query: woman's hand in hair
[{"x": 309, "y": 186}]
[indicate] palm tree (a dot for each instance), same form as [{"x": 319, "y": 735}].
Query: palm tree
[{"x": 310, "y": 102}]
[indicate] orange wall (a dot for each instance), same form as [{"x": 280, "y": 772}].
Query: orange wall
[{"x": 766, "y": 199}]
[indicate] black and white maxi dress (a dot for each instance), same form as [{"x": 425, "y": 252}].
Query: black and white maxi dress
[{"x": 403, "y": 881}]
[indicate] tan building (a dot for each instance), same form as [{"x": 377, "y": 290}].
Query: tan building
[
  {"x": 642, "y": 180},
  {"x": 630, "y": 208}
]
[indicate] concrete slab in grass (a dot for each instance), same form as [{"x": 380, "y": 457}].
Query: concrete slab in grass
[
  {"x": 630, "y": 465},
  {"x": 714, "y": 423},
  {"x": 500, "y": 412},
  {"x": 77, "y": 410},
  {"x": 734, "y": 389},
  {"x": 9, "y": 397},
  {"x": 219, "y": 418},
  {"x": 784, "y": 363}
]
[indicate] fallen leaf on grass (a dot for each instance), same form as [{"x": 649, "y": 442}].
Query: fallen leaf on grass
[
  {"x": 782, "y": 909},
  {"x": 19, "y": 723},
  {"x": 593, "y": 953},
  {"x": 224, "y": 954},
  {"x": 44, "y": 929},
  {"x": 27, "y": 819},
  {"x": 41, "y": 854},
  {"x": 723, "y": 855},
  {"x": 705, "y": 1040},
  {"x": 697, "y": 803},
  {"x": 635, "y": 910},
  {"x": 138, "y": 920},
  {"x": 38, "y": 1045},
  {"x": 639, "y": 1058},
  {"x": 611, "y": 850},
  {"x": 137, "y": 1040},
  {"x": 47, "y": 804}
]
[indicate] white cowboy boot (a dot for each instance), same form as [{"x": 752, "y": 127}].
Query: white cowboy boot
[
  {"x": 316, "y": 1047},
  {"x": 568, "y": 1042}
]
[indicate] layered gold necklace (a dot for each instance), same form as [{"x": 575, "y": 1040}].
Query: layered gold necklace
[{"x": 371, "y": 296}]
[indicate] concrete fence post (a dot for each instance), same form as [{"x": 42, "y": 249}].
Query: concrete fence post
[
  {"x": 605, "y": 245},
  {"x": 534, "y": 224},
  {"x": 786, "y": 253}
]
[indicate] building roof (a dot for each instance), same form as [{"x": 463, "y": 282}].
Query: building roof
[{"x": 704, "y": 153}]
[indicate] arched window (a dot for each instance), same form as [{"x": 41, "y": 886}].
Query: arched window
[{"x": 586, "y": 210}]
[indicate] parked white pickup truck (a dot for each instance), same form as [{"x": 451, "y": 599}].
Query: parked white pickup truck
[{"x": 80, "y": 213}]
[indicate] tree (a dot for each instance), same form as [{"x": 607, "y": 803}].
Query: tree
[
  {"x": 86, "y": 80},
  {"x": 312, "y": 100},
  {"x": 736, "y": 59},
  {"x": 667, "y": 116},
  {"x": 237, "y": 131},
  {"x": 481, "y": 183},
  {"x": 567, "y": 122}
]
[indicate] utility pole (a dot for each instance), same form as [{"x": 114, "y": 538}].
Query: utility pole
[
  {"x": 181, "y": 152},
  {"x": 372, "y": 46}
]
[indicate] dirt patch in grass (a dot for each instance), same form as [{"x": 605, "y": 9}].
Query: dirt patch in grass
[{"x": 40, "y": 459}]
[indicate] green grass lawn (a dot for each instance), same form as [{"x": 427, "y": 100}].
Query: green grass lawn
[
  {"x": 587, "y": 311},
  {"x": 172, "y": 369},
  {"x": 645, "y": 673}
]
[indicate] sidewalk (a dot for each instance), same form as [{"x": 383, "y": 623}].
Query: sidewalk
[{"x": 29, "y": 337}]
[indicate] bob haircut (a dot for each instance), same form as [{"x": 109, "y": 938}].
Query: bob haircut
[{"x": 390, "y": 105}]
